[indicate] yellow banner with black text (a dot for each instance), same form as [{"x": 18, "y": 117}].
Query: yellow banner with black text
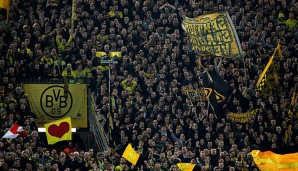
[
  {"x": 246, "y": 117},
  {"x": 52, "y": 102},
  {"x": 213, "y": 35}
]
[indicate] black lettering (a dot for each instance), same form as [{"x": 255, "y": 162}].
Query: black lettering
[
  {"x": 49, "y": 101},
  {"x": 56, "y": 96},
  {"x": 221, "y": 24},
  {"x": 226, "y": 37},
  {"x": 63, "y": 102}
]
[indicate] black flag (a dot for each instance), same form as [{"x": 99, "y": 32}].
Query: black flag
[{"x": 217, "y": 90}]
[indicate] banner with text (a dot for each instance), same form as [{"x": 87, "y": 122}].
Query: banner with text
[
  {"x": 246, "y": 117},
  {"x": 213, "y": 35},
  {"x": 52, "y": 101}
]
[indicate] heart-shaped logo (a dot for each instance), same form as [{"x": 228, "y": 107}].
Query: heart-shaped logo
[{"x": 58, "y": 131}]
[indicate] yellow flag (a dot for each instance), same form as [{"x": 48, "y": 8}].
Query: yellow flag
[
  {"x": 58, "y": 130},
  {"x": 268, "y": 79},
  {"x": 4, "y": 4},
  {"x": 270, "y": 161},
  {"x": 279, "y": 51},
  {"x": 213, "y": 35},
  {"x": 186, "y": 166},
  {"x": 131, "y": 155}
]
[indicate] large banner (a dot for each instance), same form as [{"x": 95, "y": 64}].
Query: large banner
[
  {"x": 52, "y": 102},
  {"x": 213, "y": 34}
]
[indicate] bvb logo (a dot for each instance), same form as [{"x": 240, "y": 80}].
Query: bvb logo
[{"x": 54, "y": 103}]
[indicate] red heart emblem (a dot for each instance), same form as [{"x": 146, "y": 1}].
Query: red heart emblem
[{"x": 58, "y": 131}]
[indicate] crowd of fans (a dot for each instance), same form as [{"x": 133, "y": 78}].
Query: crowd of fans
[{"x": 150, "y": 110}]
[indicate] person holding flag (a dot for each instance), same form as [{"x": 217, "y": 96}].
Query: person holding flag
[{"x": 15, "y": 131}]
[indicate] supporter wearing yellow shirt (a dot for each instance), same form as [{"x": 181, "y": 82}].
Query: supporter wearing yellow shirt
[
  {"x": 68, "y": 71},
  {"x": 291, "y": 22},
  {"x": 129, "y": 85}
]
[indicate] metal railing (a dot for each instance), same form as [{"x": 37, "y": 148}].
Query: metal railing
[{"x": 96, "y": 122}]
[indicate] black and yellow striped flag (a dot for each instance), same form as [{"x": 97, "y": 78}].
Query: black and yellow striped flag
[
  {"x": 269, "y": 78},
  {"x": 289, "y": 119}
]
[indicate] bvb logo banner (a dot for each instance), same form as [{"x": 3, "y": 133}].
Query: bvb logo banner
[
  {"x": 52, "y": 102},
  {"x": 213, "y": 35}
]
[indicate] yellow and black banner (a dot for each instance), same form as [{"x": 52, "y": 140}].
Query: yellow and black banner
[
  {"x": 290, "y": 119},
  {"x": 213, "y": 35},
  {"x": 52, "y": 101},
  {"x": 243, "y": 117},
  {"x": 269, "y": 78}
]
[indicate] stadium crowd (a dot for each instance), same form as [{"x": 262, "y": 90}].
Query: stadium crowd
[{"x": 150, "y": 110}]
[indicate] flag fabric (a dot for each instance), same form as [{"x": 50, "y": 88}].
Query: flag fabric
[
  {"x": 210, "y": 94},
  {"x": 243, "y": 117},
  {"x": 58, "y": 130},
  {"x": 186, "y": 166},
  {"x": 269, "y": 160},
  {"x": 4, "y": 4},
  {"x": 213, "y": 35},
  {"x": 268, "y": 80},
  {"x": 221, "y": 88},
  {"x": 131, "y": 155},
  {"x": 73, "y": 13},
  {"x": 216, "y": 89},
  {"x": 15, "y": 131},
  {"x": 289, "y": 120}
]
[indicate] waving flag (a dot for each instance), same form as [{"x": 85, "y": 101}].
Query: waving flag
[
  {"x": 131, "y": 155},
  {"x": 287, "y": 137},
  {"x": 15, "y": 131},
  {"x": 4, "y": 4},
  {"x": 269, "y": 78},
  {"x": 269, "y": 160},
  {"x": 216, "y": 89},
  {"x": 186, "y": 166},
  {"x": 58, "y": 130},
  {"x": 213, "y": 35}
]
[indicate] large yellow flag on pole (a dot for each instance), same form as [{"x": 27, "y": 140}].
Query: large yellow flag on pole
[
  {"x": 275, "y": 162},
  {"x": 58, "y": 130},
  {"x": 213, "y": 35}
]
